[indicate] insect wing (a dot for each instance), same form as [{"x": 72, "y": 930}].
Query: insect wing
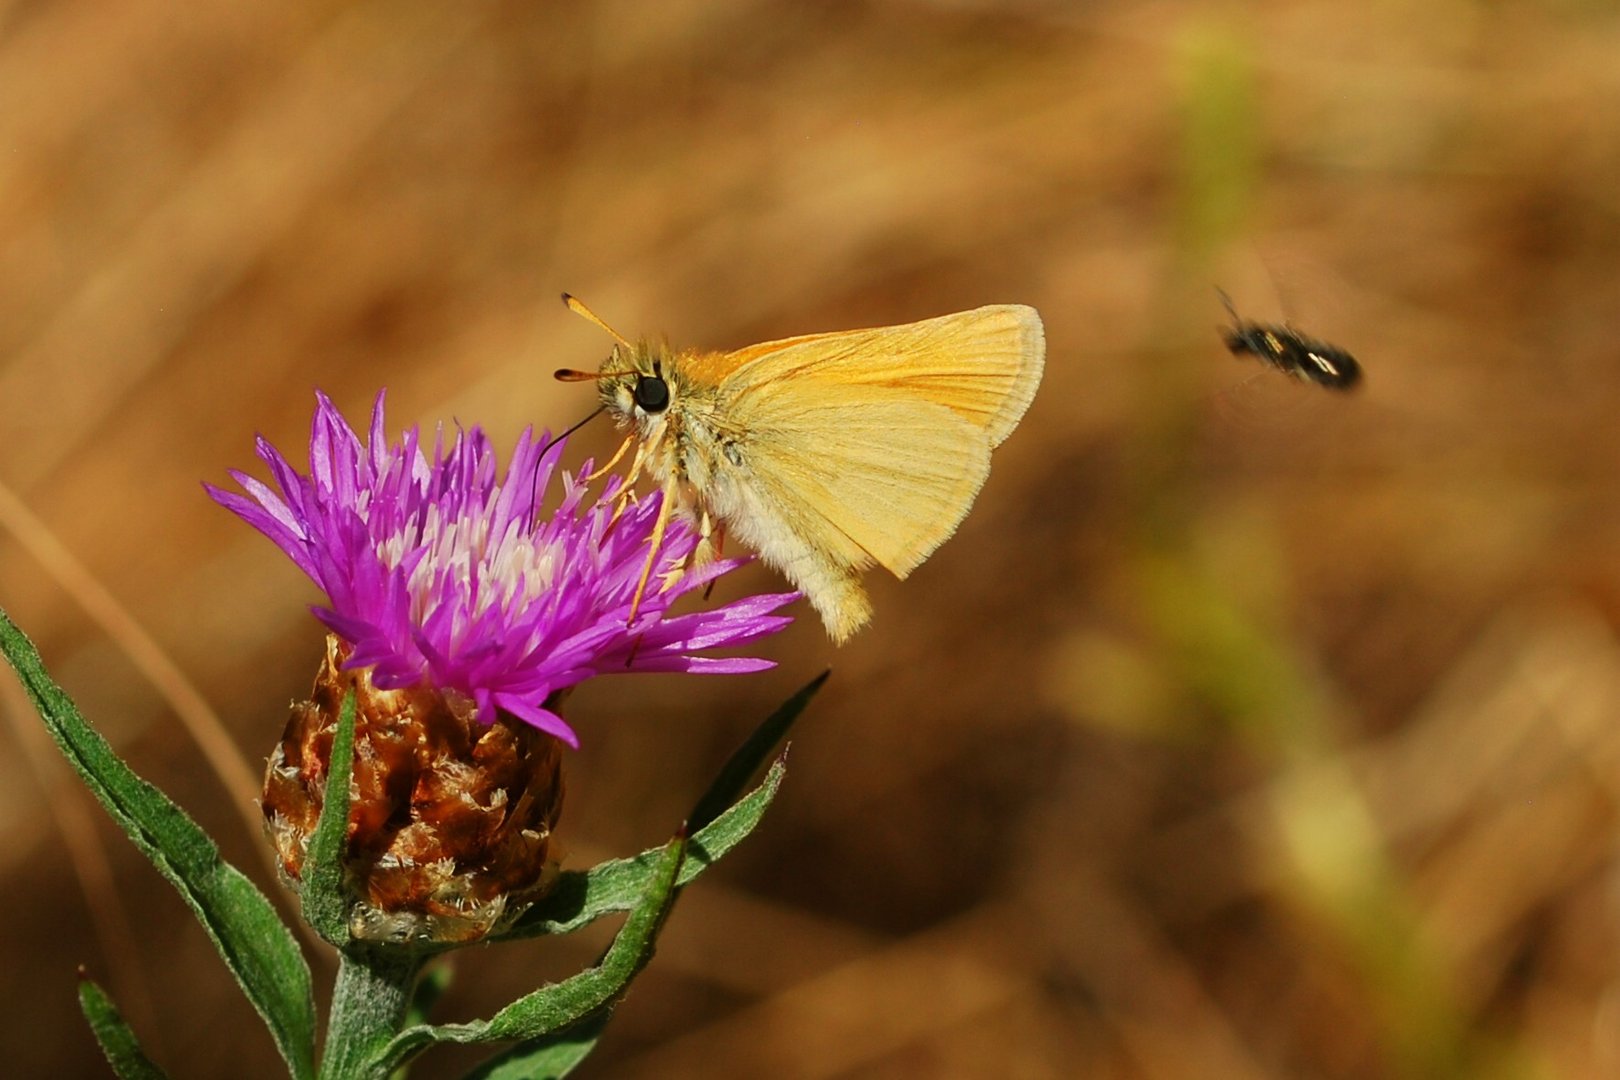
[
  {"x": 866, "y": 474},
  {"x": 870, "y": 445},
  {"x": 984, "y": 365}
]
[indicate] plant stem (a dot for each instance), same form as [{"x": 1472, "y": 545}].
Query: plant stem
[{"x": 369, "y": 1003}]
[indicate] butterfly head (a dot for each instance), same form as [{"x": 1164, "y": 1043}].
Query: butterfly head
[
  {"x": 637, "y": 385},
  {"x": 634, "y": 382}
]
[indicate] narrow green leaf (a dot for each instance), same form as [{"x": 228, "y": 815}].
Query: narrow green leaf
[
  {"x": 558, "y": 1006},
  {"x": 117, "y": 1041},
  {"x": 255, "y": 944},
  {"x": 554, "y": 1008},
  {"x": 325, "y": 905},
  {"x": 581, "y": 897},
  {"x": 548, "y": 1056},
  {"x": 735, "y": 774}
]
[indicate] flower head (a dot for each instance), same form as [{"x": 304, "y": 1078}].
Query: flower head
[
  {"x": 439, "y": 574},
  {"x": 459, "y": 616}
]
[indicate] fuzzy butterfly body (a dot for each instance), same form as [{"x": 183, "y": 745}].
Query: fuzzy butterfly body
[{"x": 830, "y": 453}]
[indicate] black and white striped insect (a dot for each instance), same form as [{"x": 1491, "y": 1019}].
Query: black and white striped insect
[{"x": 1289, "y": 351}]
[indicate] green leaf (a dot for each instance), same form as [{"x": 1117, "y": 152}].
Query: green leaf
[
  {"x": 117, "y": 1041},
  {"x": 255, "y": 944},
  {"x": 581, "y": 897},
  {"x": 559, "y": 1006},
  {"x": 549, "y": 1056},
  {"x": 736, "y": 773},
  {"x": 557, "y": 1026},
  {"x": 325, "y": 905}
]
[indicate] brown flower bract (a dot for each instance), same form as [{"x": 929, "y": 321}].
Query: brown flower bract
[{"x": 450, "y": 820}]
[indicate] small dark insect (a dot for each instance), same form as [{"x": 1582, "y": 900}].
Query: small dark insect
[{"x": 1287, "y": 350}]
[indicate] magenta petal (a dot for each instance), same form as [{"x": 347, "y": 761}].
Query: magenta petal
[
  {"x": 542, "y": 718},
  {"x": 706, "y": 665}
]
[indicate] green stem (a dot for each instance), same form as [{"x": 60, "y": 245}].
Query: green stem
[{"x": 369, "y": 1004}]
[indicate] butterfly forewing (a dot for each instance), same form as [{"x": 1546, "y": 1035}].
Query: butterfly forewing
[{"x": 983, "y": 364}]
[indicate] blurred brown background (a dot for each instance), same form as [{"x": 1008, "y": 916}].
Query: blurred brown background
[{"x": 1242, "y": 731}]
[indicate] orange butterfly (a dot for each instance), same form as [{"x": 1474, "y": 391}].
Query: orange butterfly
[{"x": 826, "y": 453}]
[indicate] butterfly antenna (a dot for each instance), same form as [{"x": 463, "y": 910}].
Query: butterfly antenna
[
  {"x": 577, "y": 306},
  {"x": 534, "y": 488}
]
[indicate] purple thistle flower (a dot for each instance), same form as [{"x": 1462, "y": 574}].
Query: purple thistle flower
[{"x": 438, "y": 574}]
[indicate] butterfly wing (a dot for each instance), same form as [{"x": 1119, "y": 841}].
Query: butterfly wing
[
  {"x": 872, "y": 444},
  {"x": 984, "y": 365},
  {"x": 862, "y": 475},
  {"x": 846, "y": 477},
  {"x": 837, "y": 451}
]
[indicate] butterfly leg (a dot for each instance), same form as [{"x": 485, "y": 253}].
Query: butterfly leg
[
  {"x": 703, "y": 553},
  {"x": 612, "y": 461},
  {"x": 656, "y": 542},
  {"x": 708, "y": 551},
  {"x": 711, "y": 536},
  {"x": 627, "y": 494}
]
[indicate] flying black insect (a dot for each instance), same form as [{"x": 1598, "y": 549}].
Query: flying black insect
[{"x": 1287, "y": 350}]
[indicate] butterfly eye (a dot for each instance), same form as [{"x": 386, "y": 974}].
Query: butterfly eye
[{"x": 652, "y": 393}]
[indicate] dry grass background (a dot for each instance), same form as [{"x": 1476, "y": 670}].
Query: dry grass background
[{"x": 1241, "y": 732}]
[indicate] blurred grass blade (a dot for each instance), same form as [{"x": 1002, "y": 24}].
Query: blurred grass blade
[
  {"x": 117, "y": 1041},
  {"x": 325, "y": 906},
  {"x": 1220, "y": 135},
  {"x": 735, "y": 774},
  {"x": 257, "y": 947},
  {"x": 551, "y": 1056},
  {"x": 560, "y": 1006},
  {"x": 582, "y": 897}
]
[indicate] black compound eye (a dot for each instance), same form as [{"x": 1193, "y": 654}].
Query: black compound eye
[{"x": 652, "y": 393}]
